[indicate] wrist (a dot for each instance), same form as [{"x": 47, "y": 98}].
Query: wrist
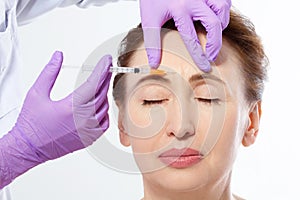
[{"x": 16, "y": 156}]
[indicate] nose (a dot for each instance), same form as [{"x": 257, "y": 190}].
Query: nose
[{"x": 182, "y": 120}]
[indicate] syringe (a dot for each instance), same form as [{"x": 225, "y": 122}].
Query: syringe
[
  {"x": 134, "y": 70},
  {"x": 137, "y": 70}
]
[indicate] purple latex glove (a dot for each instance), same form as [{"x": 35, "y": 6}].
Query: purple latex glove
[
  {"x": 47, "y": 129},
  {"x": 213, "y": 14}
]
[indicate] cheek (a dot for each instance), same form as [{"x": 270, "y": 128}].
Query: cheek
[
  {"x": 218, "y": 128},
  {"x": 210, "y": 125},
  {"x": 220, "y": 144},
  {"x": 231, "y": 134},
  {"x": 235, "y": 124},
  {"x": 138, "y": 115},
  {"x": 142, "y": 145},
  {"x": 145, "y": 123}
]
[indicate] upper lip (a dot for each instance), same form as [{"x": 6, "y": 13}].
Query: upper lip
[{"x": 180, "y": 152}]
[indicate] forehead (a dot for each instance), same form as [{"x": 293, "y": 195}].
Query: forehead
[{"x": 175, "y": 57}]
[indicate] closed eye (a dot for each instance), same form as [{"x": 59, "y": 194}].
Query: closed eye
[
  {"x": 154, "y": 101},
  {"x": 208, "y": 101}
]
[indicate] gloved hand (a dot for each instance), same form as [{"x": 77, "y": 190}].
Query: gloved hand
[
  {"x": 213, "y": 14},
  {"x": 47, "y": 129}
]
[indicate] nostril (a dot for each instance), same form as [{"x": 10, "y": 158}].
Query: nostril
[{"x": 182, "y": 133}]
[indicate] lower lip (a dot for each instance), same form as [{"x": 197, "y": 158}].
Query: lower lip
[{"x": 181, "y": 161}]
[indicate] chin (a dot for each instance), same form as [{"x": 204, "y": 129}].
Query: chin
[{"x": 180, "y": 180}]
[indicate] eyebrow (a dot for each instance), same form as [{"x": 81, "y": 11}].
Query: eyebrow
[
  {"x": 153, "y": 77},
  {"x": 194, "y": 78},
  {"x": 198, "y": 77}
]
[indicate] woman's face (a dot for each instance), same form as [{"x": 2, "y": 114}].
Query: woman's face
[{"x": 185, "y": 127}]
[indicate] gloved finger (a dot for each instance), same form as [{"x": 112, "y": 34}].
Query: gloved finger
[
  {"x": 91, "y": 132},
  {"x": 152, "y": 43},
  {"x": 102, "y": 111},
  {"x": 88, "y": 89},
  {"x": 104, "y": 123},
  {"x": 104, "y": 64},
  {"x": 94, "y": 129},
  {"x": 46, "y": 79},
  {"x": 185, "y": 27},
  {"x": 89, "y": 109},
  {"x": 221, "y": 9},
  {"x": 213, "y": 28},
  {"x": 153, "y": 15},
  {"x": 102, "y": 94},
  {"x": 104, "y": 82},
  {"x": 91, "y": 106}
]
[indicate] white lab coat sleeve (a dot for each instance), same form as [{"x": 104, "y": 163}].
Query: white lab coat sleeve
[
  {"x": 5, "y": 194},
  {"x": 27, "y": 10}
]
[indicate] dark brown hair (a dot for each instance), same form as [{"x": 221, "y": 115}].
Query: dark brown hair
[{"x": 240, "y": 34}]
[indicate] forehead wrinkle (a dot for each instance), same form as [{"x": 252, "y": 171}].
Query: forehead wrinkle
[{"x": 154, "y": 77}]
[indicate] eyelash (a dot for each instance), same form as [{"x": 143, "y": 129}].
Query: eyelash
[
  {"x": 153, "y": 102},
  {"x": 160, "y": 101},
  {"x": 208, "y": 101}
]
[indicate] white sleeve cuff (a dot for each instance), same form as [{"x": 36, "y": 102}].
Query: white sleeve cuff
[{"x": 85, "y": 3}]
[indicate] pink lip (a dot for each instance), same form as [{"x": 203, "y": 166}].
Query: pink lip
[{"x": 180, "y": 158}]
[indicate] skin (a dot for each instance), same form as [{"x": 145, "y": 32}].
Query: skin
[{"x": 181, "y": 118}]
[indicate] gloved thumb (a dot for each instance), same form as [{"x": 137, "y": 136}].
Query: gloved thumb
[
  {"x": 153, "y": 45},
  {"x": 46, "y": 79}
]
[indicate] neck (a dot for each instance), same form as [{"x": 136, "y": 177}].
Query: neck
[{"x": 217, "y": 191}]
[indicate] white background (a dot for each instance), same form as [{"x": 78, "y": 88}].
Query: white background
[{"x": 267, "y": 170}]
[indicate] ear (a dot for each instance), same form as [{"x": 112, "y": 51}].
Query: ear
[
  {"x": 124, "y": 138},
  {"x": 253, "y": 124}
]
